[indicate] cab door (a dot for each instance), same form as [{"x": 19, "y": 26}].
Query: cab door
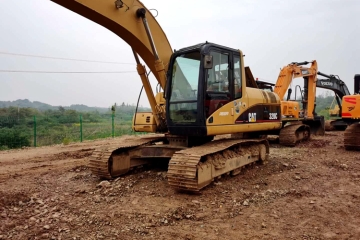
[
  {"x": 218, "y": 89},
  {"x": 237, "y": 87}
]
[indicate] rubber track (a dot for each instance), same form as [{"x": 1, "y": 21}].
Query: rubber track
[
  {"x": 98, "y": 161},
  {"x": 182, "y": 171},
  {"x": 287, "y": 136},
  {"x": 352, "y": 137}
]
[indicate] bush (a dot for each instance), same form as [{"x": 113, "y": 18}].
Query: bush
[{"x": 13, "y": 138}]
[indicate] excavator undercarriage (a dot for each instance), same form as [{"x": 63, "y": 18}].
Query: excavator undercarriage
[
  {"x": 189, "y": 168},
  {"x": 296, "y": 131}
]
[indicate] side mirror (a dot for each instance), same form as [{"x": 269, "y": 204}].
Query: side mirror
[{"x": 208, "y": 61}]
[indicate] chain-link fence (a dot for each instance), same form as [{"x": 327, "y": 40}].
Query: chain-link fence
[{"x": 17, "y": 132}]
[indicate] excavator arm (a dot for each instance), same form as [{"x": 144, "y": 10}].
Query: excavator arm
[
  {"x": 125, "y": 19},
  {"x": 335, "y": 84},
  {"x": 296, "y": 70},
  {"x": 134, "y": 23},
  {"x": 291, "y": 71}
]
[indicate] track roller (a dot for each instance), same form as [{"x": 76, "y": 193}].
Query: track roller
[{"x": 194, "y": 168}]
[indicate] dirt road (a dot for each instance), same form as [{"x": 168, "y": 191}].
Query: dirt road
[{"x": 308, "y": 192}]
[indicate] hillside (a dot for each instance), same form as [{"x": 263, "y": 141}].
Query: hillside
[{"x": 25, "y": 103}]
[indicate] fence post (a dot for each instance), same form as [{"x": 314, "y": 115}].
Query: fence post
[
  {"x": 81, "y": 132},
  {"x": 34, "y": 131},
  {"x": 113, "y": 128}
]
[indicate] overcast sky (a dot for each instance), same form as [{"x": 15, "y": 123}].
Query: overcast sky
[{"x": 271, "y": 33}]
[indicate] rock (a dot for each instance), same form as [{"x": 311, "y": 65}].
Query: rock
[
  {"x": 32, "y": 219},
  {"x": 45, "y": 235},
  {"x": 312, "y": 202},
  {"x": 246, "y": 203},
  {"x": 56, "y": 215},
  {"x": 2, "y": 237},
  {"x": 344, "y": 166},
  {"x": 97, "y": 199},
  {"x": 104, "y": 184},
  {"x": 297, "y": 177},
  {"x": 263, "y": 225},
  {"x": 195, "y": 201},
  {"x": 285, "y": 164},
  {"x": 47, "y": 227}
]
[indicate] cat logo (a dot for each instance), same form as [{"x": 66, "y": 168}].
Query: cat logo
[
  {"x": 351, "y": 108},
  {"x": 252, "y": 117}
]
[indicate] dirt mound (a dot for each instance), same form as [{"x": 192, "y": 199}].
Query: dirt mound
[
  {"x": 74, "y": 154},
  {"x": 314, "y": 143},
  {"x": 13, "y": 199}
]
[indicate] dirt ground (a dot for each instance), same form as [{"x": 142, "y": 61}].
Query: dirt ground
[{"x": 311, "y": 191}]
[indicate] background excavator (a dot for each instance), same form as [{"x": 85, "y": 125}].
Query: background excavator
[
  {"x": 340, "y": 90},
  {"x": 206, "y": 92},
  {"x": 333, "y": 83},
  {"x": 299, "y": 122},
  {"x": 350, "y": 113}
]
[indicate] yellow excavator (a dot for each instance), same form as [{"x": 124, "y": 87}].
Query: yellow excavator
[
  {"x": 350, "y": 113},
  {"x": 206, "y": 92},
  {"x": 302, "y": 120}
]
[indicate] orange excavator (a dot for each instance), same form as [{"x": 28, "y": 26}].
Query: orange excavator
[
  {"x": 299, "y": 122},
  {"x": 331, "y": 82},
  {"x": 205, "y": 93},
  {"x": 350, "y": 113}
]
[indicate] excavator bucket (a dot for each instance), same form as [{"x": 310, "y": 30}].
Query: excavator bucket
[{"x": 317, "y": 125}]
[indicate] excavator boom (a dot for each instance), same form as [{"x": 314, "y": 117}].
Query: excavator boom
[
  {"x": 124, "y": 19},
  {"x": 335, "y": 84}
]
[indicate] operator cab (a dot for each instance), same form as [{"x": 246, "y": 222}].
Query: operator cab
[{"x": 200, "y": 79}]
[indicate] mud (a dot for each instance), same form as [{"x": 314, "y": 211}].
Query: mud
[{"x": 311, "y": 191}]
